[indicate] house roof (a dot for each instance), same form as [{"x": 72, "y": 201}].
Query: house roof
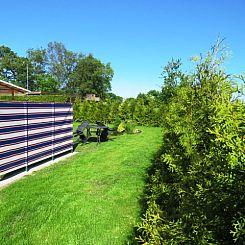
[{"x": 14, "y": 87}]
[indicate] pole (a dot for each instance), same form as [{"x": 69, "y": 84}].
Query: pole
[
  {"x": 27, "y": 68},
  {"x": 27, "y": 135}
]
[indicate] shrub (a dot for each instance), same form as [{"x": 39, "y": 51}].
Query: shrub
[
  {"x": 196, "y": 190},
  {"x": 121, "y": 127},
  {"x": 37, "y": 98},
  {"x": 116, "y": 123},
  {"x": 129, "y": 127}
]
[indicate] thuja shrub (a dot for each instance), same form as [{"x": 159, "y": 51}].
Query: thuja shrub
[
  {"x": 108, "y": 111},
  {"x": 104, "y": 111},
  {"x": 196, "y": 191}
]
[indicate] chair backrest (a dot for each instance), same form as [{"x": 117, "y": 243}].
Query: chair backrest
[
  {"x": 100, "y": 123},
  {"x": 82, "y": 126}
]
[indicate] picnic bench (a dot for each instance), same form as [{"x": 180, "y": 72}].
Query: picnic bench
[{"x": 85, "y": 131}]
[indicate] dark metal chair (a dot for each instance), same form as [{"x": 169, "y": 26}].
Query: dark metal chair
[{"x": 80, "y": 131}]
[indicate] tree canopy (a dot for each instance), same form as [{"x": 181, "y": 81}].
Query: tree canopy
[
  {"x": 14, "y": 68},
  {"x": 90, "y": 76},
  {"x": 56, "y": 69}
]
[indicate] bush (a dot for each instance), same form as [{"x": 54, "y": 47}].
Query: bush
[
  {"x": 37, "y": 98},
  {"x": 109, "y": 111},
  {"x": 121, "y": 127},
  {"x": 196, "y": 191},
  {"x": 116, "y": 123},
  {"x": 129, "y": 127}
]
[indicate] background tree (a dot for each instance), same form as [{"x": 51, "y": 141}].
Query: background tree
[
  {"x": 7, "y": 61},
  {"x": 61, "y": 62},
  {"x": 46, "y": 83},
  {"x": 56, "y": 69},
  {"x": 172, "y": 76},
  {"x": 155, "y": 95},
  {"x": 53, "y": 64},
  {"x": 139, "y": 111},
  {"x": 114, "y": 97},
  {"x": 38, "y": 60},
  {"x": 114, "y": 110},
  {"x": 90, "y": 76},
  {"x": 13, "y": 68}
]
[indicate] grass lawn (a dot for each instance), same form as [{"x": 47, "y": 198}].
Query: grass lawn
[{"x": 90, "y": 198}]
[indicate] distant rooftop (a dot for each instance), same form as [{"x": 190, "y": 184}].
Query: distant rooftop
[{"x": 6, "y": 87}]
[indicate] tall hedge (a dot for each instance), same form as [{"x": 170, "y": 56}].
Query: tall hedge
[
  {"x": 196, "y": 190},
  {"x": 36, "y": 98},
  {"x": 108, "y": 111}
]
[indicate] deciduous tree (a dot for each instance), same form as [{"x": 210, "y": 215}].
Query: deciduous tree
[{"x": 90, "y": 76}]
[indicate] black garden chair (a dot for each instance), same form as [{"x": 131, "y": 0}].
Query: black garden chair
[{"x": 80, "y": 131}]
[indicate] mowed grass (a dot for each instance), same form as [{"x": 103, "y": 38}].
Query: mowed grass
[{"x": 92, "y": 197}]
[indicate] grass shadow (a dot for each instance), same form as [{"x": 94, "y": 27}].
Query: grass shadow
[
  {"x": 143, "y": 197},
  {"x": 92, "y": 139},
  {"x": 28, "y": 168}
]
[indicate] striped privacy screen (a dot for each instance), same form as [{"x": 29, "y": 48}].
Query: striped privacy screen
[{"x": 31, "y": 132}]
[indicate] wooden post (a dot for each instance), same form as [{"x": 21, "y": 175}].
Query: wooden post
[{"x": 12, "y": 91}]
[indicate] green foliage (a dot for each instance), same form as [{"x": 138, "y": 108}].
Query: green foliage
[
  {"x": 56, "y": 69},
  {"x": 125, "y": 110},
  {"x": 138, "y": 111},
  {"x": 112, "y": 96},
  {"x": 171, "y": 78},
  {"x": 126, "y": 126},
  {"x": 52, "y": 66},
  {"x": 61, "y": 62},
  {"x": 113, "y": 111},
  {"x": 196, "y": 188},
  {"x": 14, "y": 68},
  {"x": 90, "y": 76},
  {"x": 47, "y": 83},
  {"x": 116, "y": 123},
  {"x": 129, "y": 127},
  {"x": 121, "y": 127},
  {"x": 37, "y": 98},
  {"x": 239, "y": 230},
  {"x": 77, "y": 110}
]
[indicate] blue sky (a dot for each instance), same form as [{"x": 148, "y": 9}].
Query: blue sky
[{"x": 138, "y": 37}]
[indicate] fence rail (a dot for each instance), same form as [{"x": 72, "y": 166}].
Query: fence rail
[{"x": 32, "y": 132}]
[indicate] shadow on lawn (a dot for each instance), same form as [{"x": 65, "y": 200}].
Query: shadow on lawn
[
  {"x": 155, "y": 162},
  {"x": 33, "y": 166},
  {"x": 92, "y": 139}
]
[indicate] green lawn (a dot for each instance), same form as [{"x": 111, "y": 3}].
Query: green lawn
[{"x": 90, "y": 198}]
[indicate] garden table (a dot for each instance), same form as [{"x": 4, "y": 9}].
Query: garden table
[{"x": 96, "y": 129}]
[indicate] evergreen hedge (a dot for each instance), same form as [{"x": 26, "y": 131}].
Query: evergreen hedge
[
  {"x": 108, "y": 111},
  {"x": 196, "y": 189},
  {"x": 36, "y": 98}
]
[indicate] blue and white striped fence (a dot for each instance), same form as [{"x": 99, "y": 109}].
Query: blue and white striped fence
[{"x": 31, "y": 132}]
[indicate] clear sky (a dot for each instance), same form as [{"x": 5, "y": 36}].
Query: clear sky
[{"x": 138, "y": 37}]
